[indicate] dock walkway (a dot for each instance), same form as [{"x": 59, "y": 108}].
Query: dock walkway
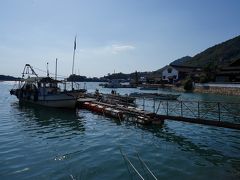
[{"x": 209, "y": 113}]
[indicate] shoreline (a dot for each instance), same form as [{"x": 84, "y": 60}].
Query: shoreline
[
  {"x": 229, "y": 91},
  {"x": 224, "y": 89}
]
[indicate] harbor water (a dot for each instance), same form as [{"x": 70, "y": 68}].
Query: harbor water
[{"x": 47, "y": 143}]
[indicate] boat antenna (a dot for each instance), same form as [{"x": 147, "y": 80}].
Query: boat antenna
[
  {"x": 74, "y": 49},
  {"x": 47, "y": 70},
  {"x": 56, "y": 70}
]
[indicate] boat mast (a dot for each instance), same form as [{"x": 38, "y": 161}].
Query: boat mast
[
  {"x": 56, "y": 70},
  {"x": 47, "y": 70},
  {"x": 74, "y": 49}
]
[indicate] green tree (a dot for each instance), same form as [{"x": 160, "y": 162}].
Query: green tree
[{"x": 188, "y": 84}]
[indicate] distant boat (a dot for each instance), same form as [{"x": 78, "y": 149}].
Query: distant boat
[
  {"x": 115, "y": 83},
  {"x": 155, "y": 96},
  {"x": 44, "y": 91},
  {"x": 148, "y": 88},
  {"x": 119, "y": 98}
]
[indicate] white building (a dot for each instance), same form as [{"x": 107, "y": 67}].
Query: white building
[{"x": 170, "y": 74}]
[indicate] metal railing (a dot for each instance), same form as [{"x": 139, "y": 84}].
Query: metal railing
[{"x": 207, "y": 110}]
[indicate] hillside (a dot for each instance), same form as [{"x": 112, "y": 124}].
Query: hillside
[
  {"x": 8, "y": 78},
  {"x": 220, "y": 55},
  {"x": 125, "y": 76},
  {"x": 181, "y": 61},
  {"x": 177, "y": 62}
]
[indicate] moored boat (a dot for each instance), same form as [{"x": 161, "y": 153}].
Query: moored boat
[{"x": 43, "y": 91}]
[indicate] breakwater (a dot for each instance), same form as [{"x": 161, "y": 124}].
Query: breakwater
[{"x": 226, "y": 89}]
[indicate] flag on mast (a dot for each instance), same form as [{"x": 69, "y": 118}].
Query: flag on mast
[{"x": 75, "y": 43}]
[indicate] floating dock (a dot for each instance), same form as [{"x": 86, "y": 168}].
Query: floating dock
[
  {"x": 120, "y": 112},
  {"x": 217, "y": 114}
]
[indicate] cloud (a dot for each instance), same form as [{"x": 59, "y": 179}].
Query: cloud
[
  {"x": 110, "y": 49},
  {"x": 116, "y": 48}
]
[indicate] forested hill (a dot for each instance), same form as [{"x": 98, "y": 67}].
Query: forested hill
[
  {"x": 181, "y": 61},
  {"x": 219, "y": 55},
  {"x": 8, "y": 78}
]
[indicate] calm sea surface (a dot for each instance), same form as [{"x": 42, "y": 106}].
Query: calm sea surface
[{"x": 46, "y": 143}]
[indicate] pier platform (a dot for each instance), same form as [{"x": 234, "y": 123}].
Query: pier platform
[{"x": 209, "y": 113}]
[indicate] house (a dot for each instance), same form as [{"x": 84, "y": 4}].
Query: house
[
  {"x": 155, "y": 77},
  {"x": 170, "y": 74},
  {"x": 174, "y": 73},
  {"x": 185, "y": 71},
  {"x": 230, "y": 73}
]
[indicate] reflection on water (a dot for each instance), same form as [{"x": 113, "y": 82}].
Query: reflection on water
[
  {"x": 43, "y": 117},
  {"x": 213, "y": 149},
  {"x": 205, "y": 149}
]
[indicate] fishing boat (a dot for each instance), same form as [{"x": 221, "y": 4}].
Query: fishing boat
[{"x": 44, "y": 91}]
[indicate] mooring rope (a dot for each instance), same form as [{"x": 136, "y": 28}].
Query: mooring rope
[
  {"x": 126, "y": 163},
  {"x": 146, "y": 167},
  {"x": 133, "y": 167}
]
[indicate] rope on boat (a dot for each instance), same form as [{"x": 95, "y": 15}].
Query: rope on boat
[{"x": 60, "y": 76}]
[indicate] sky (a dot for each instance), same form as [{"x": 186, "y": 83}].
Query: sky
[{"x": 112, "y": 35}]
